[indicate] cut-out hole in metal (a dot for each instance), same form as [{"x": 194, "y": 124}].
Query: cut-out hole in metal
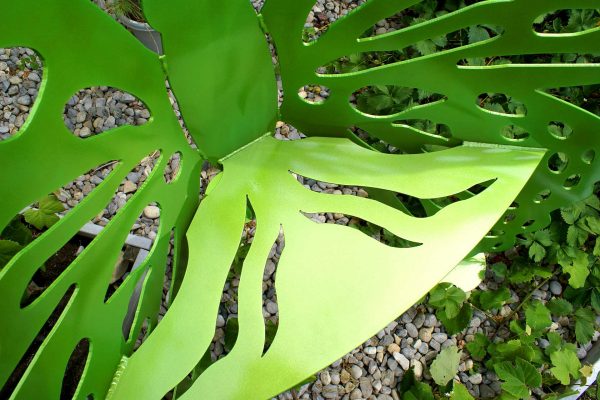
[
  {"x": 98, "y": 109},
  {"x": 389, "y": 99},
  {"x": 314, "y": 94},
  {"x": 173, "y": 167},
  {"x": 27, "y": 358},
  {"x": 567, "y": 21},
  {"x": 75, "y": 368},
  {"x": 559, "y": 130},
  {"x": 21, "y": 72},
  {"x": 500, "y": 103},
  {"x": 514, "y": 133},
  {"x": 558, "y": 162}
]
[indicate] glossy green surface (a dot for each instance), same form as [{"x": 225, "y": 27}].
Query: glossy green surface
[
  {"x": 45, "y": 155},
  {"x": 220, "y": 69},
  {"x": 317, "y": 288},
  {"x": 439, "y": 73},
  {"x": 218, "y": 64}
]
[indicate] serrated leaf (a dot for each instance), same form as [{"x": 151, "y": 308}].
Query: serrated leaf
[
  {"x": 537, "y": 252},
  {"x": 560, "y": 307},
  {"x": 499, "y": 269},
  {"x": 565, "y": 365},
  {"x": 8, "y": 249},
  {"x": 478, "y": 347},
  {"x": 478, "y": 34},
  {"x": 448, "y": 298},
  {"x": 460, "y": 392},
  {"x": 586, "y": 371},
  {"x": 556, "y": 343},
  {"x": 584, "y": 325},
  {"x": 419, "y": 391},
  {"x": 595, "y": 299},
  {"x": 578, "y": 269},
  {"x": 45, "y": 214},
  {"x": 537, "y": 316},
  {"x": 426, "y": 47},
  {"x": 491, "y": 299},
  {"x": 445, "y": 365},
  {"x": 17, "y": 232},
  {"x": 518, "y": 378},
  {"x": 458, "y": 323}
]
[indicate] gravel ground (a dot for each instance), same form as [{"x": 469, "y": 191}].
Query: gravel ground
[{"x": 371, "y": 371}]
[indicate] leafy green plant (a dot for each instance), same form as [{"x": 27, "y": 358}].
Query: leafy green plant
[{"x": 43, "y": 214}]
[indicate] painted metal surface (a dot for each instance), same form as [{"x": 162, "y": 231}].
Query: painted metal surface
[
  {"x": 225, "y": 84},
  {"x": 441, "y": 73}
]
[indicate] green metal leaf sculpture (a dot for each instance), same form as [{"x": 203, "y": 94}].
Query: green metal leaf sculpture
[{"x": 230, "y": 111}]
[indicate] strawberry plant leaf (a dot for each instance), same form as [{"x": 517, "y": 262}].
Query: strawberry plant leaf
[
  {"x": 518, "y": 378},
  {"x": 578, "y": 269},
  {"x": 17, "y": 232},
  {"x": 560, "y": 307},
  {"x": 460, "y": 392},
  {"x": 448, "y": 299},
  {"x": 458, "y": 323},
  {"x": 565, "y": 365},
  {"x": 45, "y": 214},
  {"x": 478, "y": 347},
  {"x": 584, "y": 325},
  {"x": 537, "y": 316},
  {"x": 491, "y": 299},
  {"x": 445, "y": 365},
  {"x": 8, "y": 249}
]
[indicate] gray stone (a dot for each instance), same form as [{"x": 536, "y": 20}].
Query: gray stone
[
  {"x": 325, "y": 378},
  {"x": 24, "y": 100},
  {"x": 152, "y": 212},
  {"x": 412, "y": 330},
  {"x": 401, "y": 360},
  {"x": 130, "y": 187},
  {"x": 127, "y": 98},
  {"x": 440, "y": 337},
  {"x": 486, "y": 392},
  {"x": 425, "y": 334},
  {"x": 555, "y": 288},
  {"x": 476, "y": 379},
  {"x": 356, "y": 371}
]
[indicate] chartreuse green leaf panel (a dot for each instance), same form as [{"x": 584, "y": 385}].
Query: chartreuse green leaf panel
[
  {"x": 44, "y": 156},
  {"x": 323, "y": 267},
  {"x": 460, "y": 85}
]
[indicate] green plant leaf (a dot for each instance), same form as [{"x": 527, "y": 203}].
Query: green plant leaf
[
  {"x": 478, "y": 34},
  {"x": 491, "y": 299},
  {"x": 538, "y": 316},
  {"x": 419, "y": 391},
  {"x": 578, "y": 269},
  {"x": 499, "y": 269},
  {"x": 584, "y": 325},
  {"x": 17, "y": 232},
  {"x": 460, "y": 392},
  {"x": 518, "y": 378},
  {"x": 478, "y": 347},
  {"x": 8, "y": 249},
  {"x": 458, "y": 323},
  {"x": 232, "y": 329},
  {"x": 45, "y": 214},
  {"x": 565, "y": 365},
  {"x": 558, "y": 306},
  {"x": 448, "y": 298},
  {"x": 445, "y": 365}
]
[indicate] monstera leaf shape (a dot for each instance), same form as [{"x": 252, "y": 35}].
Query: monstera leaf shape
[{"x": 219, "y": 66}]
